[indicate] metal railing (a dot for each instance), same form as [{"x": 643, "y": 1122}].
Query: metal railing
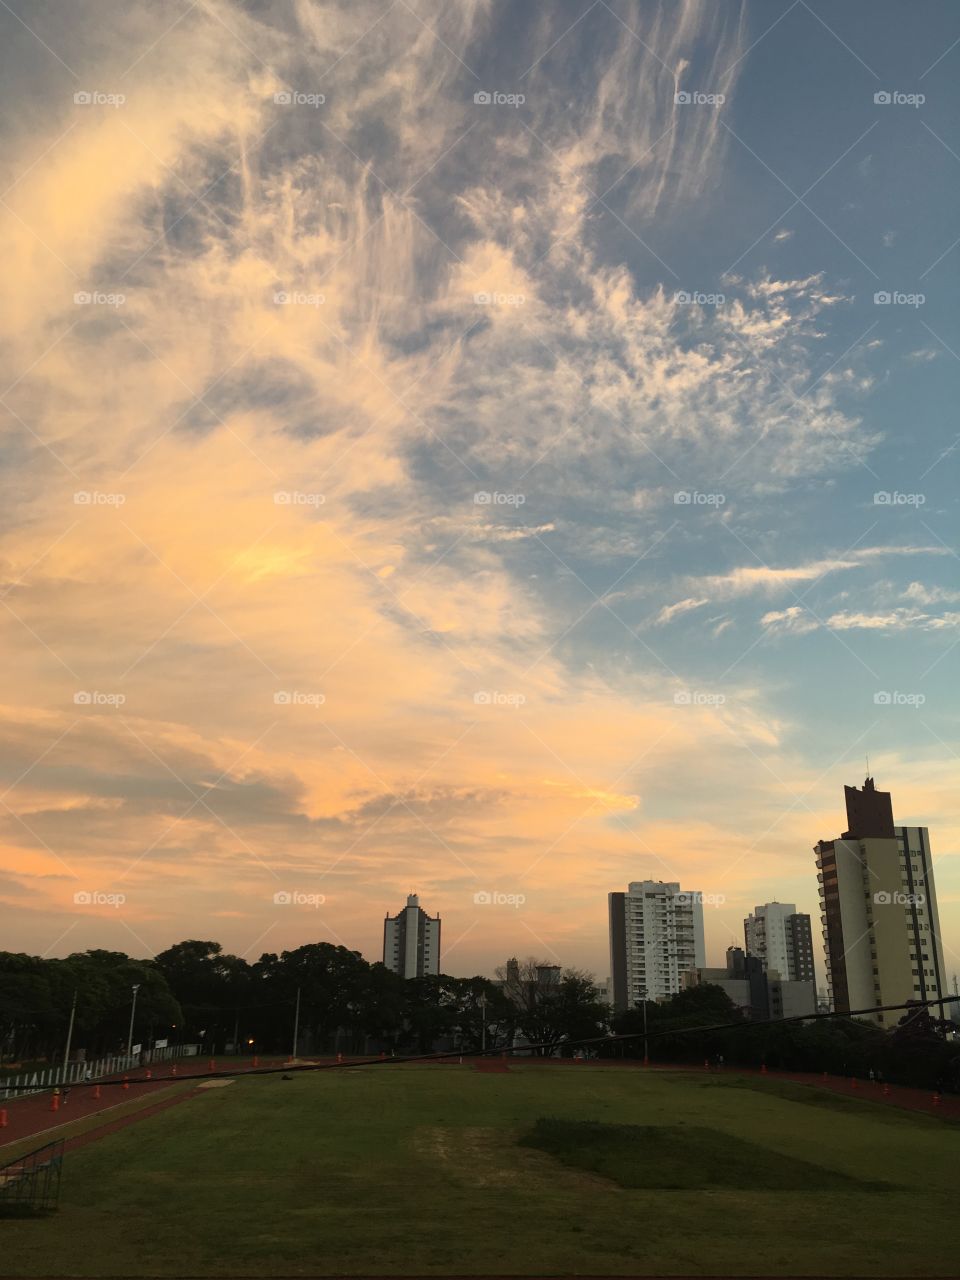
[
  {"x": 31, "y": 1183},
  {"x": 72, "y": 1072}
]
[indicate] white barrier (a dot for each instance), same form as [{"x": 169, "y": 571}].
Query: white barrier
[{"x": 56, "y": 1077}]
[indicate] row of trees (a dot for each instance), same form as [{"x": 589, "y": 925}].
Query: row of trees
[
  {"x": 195, "y": 993},
  {"x": 703, "y": 1024}
]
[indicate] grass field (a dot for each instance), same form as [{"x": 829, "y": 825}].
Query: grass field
[{"x": 542, "y": 1170}]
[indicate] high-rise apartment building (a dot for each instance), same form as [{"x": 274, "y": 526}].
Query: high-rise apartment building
[
  {"x": 411, "y": 941},
  {"x": 781, "y": 937},
  {"x": 656, "y": 935},
  {"x": 881, "y": 926}
]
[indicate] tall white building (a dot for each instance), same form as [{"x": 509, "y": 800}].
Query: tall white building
[
  {"x": 656, "y": 935},
  {"x": 881, "y": 924},
  {"x": 781, "y": 937},
  {"x": 411, "y": 941}
]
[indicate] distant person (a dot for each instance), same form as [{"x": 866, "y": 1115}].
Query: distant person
[
  {"x": 720, "y": 1061},
  {"x": 872, "y": 1075}
]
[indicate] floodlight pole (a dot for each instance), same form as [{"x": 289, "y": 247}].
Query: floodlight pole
[
  {"x": 133, "y": 1009},
  {"x": 66, "y": 1052},
  {"x": 296, "y": 1027},
  {"x": 643, "y": 997}
]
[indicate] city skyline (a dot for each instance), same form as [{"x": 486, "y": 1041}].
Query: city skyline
[
  {"x": 782, "y": 942},
  {"x": 504, "y": 450}
]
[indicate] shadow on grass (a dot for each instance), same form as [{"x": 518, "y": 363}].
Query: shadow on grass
[{"x": 682, "y": 1158}]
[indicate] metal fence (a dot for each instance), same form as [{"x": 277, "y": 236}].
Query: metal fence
[
  {"x": 72, "y": 1072},
  {"x": 31, "y": 1183}
]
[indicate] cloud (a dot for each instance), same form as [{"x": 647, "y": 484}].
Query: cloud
[
  {"x": 920, "y": 594},
  {"x": 671, "y": 611},
  {"x": 799, "y": 621},
  {"x": 253, "y": 477},
  {"x": 771, "y": 579},
  {"x": 792, "y": 621},
  {"x": 895, "y": 620}
]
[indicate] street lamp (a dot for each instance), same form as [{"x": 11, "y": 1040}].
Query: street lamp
[
  {"x": 133, "y": 1009},
  {"x": 66, "y": 1052},
  {"x": 296, "y": 1028},
  {"x": 643, "y": 996}
]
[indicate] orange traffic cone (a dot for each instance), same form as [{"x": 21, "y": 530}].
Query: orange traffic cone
[
  {"x": 126, "y": 1083},
  {"x": 853, "y": 1083},
  {"x": 3, "y": 1117},
  {"x": 256, "y": 1061},
  {"x": 55, "y": 1100},
  {"x": 149, "y": 1074},
  {"x": 936, "y": 1099},
  {"x": 339, "y": 1057},
  {"x": 96, "y": 1092},
  {"x": 173, "y": 1069},
  {"x": 886, "y": 1091},
  {"x": 212, "y": 1065}
]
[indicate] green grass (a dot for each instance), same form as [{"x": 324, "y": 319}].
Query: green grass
[
  {"x": 679, "y": 1157},
  {"x": 427, "y": 1171}
]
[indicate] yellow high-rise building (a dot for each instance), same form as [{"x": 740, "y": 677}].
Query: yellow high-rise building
[{"x": 878, "y": 902}]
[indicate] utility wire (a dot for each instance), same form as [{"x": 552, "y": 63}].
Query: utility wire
[{"x": 744, "y": 1025}]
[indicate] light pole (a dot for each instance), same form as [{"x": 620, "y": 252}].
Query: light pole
[
  {"x": 483, "y": 1022},
  {"x": 133, "y": 1009},
  {"x": 66, "y": 1052},
  {"x": 296, "y": 1027},
  {"x": 643, "y": 997}
]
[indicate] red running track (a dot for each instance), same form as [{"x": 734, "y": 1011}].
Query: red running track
[{"x": 32, "y": 1116}]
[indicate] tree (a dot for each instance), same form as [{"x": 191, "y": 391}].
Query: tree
[
  {"x": 213, "y": 989},
  {"x": 551, "y": 1005},
  {"x": 333, "y": 983},
  {"x": 27, "y": 1010},
  {"x": 677, "y": 1026}
]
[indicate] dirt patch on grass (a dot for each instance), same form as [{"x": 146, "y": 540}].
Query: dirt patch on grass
[{"x": 485, "y": 1157}]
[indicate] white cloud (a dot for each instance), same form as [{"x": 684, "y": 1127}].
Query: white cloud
[
  {"x": 671, "y": 611},
  {"x": 793, "y": 621},
  {"x": 894, "y": 620}
]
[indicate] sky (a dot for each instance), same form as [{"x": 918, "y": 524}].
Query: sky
[{"x": 492, "y": 450}]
